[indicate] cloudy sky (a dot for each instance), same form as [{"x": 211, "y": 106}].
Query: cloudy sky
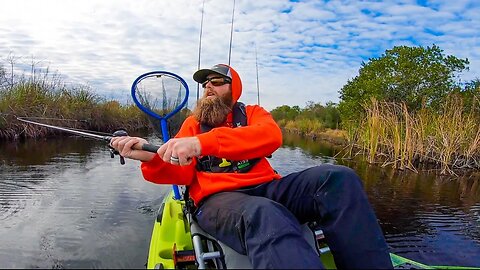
[{"x": 305, "y": 50}]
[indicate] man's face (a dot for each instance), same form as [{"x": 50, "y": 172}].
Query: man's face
[
  {"x": 216, "y": 86},
  {"x": 212, "y": 109}
]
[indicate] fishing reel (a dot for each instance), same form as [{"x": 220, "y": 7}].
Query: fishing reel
[{"x": 113, "y": 151}]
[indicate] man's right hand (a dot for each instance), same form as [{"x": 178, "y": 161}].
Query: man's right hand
[{"x": 131, "y": 147}]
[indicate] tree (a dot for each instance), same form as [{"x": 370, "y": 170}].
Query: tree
[
  {"x": 471, "y": 96},
  {"x": 285, "y": 112},
  {"x": 328, "y": 115},
  {"x": 417, "y": 76}
]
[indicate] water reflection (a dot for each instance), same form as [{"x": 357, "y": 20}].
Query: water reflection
[{"x": 65, "y": 203}]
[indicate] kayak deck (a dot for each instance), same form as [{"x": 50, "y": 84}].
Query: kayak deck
[{"x": 171, "y": 244}]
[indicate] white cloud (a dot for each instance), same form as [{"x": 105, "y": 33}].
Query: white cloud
[{"x": 306, "y": 50}]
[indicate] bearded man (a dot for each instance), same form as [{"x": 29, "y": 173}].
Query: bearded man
[{"x": 220, "y": 154}]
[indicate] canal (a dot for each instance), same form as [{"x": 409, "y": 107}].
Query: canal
[{"x": 64, "y": 203}]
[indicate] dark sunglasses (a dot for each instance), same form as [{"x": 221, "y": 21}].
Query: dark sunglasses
[{"x": 216, "y": 81}]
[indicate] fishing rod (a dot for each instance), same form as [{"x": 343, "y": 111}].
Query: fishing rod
[
  {"x": 231, "y": 34},
  {"x": 200, "y": 46},
  {"x": 106, "y": 138},
  {"x": 256, "y": 67}
]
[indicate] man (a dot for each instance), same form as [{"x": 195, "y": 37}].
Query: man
[{"x": 220, "y": 154}]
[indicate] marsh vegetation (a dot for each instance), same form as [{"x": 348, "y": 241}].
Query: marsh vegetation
[{"x": 407, "y": 109}]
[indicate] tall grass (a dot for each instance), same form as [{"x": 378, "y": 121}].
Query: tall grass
[
  {"x": 304, "y": 126},
  {"x": 448, "y": 140},
  {"x": 43, "y": 96}
]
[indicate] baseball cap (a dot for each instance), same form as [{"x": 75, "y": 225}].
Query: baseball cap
[
  {"x": 201, "y": 75},
  {"x": 223, "y": 70}
]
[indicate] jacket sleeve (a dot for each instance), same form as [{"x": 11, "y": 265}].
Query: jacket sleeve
[
  {"x": 260, "y": 138},
  {"x": 160, "y": 172}
]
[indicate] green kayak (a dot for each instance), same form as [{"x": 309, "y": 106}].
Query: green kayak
[{"x": 172, "y": 245}]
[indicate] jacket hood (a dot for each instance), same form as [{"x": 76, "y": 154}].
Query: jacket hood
[{"x": 226, "y": 71}]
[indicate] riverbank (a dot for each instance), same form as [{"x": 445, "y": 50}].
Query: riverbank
[
  {"x": 50, "y": 102},
  {"x": 335, "y": 136},
  {"x": 352, "y": 146}
]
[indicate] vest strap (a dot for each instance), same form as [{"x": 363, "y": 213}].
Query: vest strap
[{"x": 221, "y": 165}]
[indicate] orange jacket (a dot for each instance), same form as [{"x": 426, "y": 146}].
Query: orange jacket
[{"x": 260, "y": 138}]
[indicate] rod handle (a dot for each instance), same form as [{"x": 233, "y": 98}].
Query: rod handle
[{"x": 150, "y": 148}]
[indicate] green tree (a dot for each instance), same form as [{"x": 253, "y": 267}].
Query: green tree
[
  {"x": 331, "y": 118},
  {"x": 417, "y": 76},
  {"x": 471, "y": 96},
  {"x": 328, "y": 115},
  {"x": 285, "y": 112}
]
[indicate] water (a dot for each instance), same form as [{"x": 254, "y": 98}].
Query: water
[
  {"x": 65, "y": 203},
  {"x": 431, "y": 219}
]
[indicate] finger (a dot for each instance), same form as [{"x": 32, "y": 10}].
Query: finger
[
  {"x": 174, "y": 160},
  {"x": 163, "y": 148},
  {"x": 168, "y": 153},
  {"x": 128, "y": 147},
  {"x": 114, "y": 141},
  {"x": 130, "y": 143},
  {"x": 120, "y": 144},
  {"x": 184, "y": 160}
]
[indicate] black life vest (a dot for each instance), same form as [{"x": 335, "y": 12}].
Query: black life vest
[{"x": 222, "y": 165}]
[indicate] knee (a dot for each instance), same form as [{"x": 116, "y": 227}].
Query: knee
[
  {"x": 342, "y": 189},
  {"x": 341, "y": 177},
  {"x": 347, "y": 175}
]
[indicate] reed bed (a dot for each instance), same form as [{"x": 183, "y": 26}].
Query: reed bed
[
  {"x": 303, "y": 126},
  {"x": 45, "y": 99},
  {"x": 448, "y": 141}
]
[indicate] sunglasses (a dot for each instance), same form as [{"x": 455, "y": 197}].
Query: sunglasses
[{"x": 216, "y": 81}]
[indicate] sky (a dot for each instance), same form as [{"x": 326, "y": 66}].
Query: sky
[{"x": 304, "y": 50}]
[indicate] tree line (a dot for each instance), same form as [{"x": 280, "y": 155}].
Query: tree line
[{"x": 407, "y": 108}]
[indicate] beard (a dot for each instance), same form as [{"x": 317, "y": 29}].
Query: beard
[{"x": 213, "y": 111}]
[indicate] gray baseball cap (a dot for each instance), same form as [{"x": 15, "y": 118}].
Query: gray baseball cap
[{"x": 221, "y": 69}]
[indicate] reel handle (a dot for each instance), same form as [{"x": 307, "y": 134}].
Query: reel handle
[{"x": 113, "y": 152}]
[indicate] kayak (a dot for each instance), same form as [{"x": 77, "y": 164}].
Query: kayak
[
  {"x": 404, "y": 263},
  {"x": 178, "y": 243}
]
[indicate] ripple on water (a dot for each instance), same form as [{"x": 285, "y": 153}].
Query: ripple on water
[
  {"x": 21, "y": 187},
  {"x": 82, "y": 209}
]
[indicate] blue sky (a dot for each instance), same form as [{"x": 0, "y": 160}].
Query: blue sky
[{"x": 306, "y": 50}]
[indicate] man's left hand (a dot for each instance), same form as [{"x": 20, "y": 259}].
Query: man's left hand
[{"x": 180, "y": 151}]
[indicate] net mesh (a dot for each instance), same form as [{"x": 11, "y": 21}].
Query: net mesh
[{"x": 161, "y": 94}]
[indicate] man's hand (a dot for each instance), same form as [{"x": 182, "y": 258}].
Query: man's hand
[
  {"x": 131, "y": 147},
  {"x": 180, "y": 151}
]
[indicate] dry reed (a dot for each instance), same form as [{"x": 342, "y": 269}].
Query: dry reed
[{"x": 449, "y": 140}]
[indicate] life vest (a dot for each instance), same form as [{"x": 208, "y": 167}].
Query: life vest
[{"x": 221, "y": 165}]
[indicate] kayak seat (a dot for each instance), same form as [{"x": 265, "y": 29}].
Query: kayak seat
[{"x": 215, "y": 254}]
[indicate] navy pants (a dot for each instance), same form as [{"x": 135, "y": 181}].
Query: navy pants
[{"x": 264, "y": 221}]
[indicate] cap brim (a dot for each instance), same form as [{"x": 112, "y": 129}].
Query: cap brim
[{"x": 201, "y": 75}]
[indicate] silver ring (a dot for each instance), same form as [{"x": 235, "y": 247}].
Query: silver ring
[{"x": 174, "y": 159}]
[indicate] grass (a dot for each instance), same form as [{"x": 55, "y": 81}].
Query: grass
[
  {"x": 46, "y": 99},
  {"x": 447, "y": 141}
]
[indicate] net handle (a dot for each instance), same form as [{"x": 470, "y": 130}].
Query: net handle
[{"x": 162, "y": 119}]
